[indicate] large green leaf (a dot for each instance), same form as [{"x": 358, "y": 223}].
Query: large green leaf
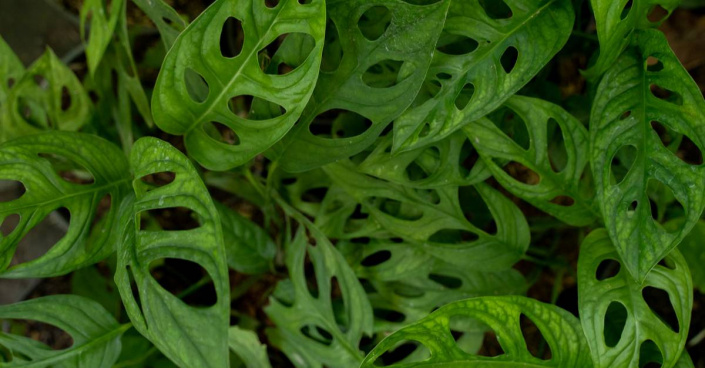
[
  {"x": 96, "y": 334},
  {"x": 435, "y": 220},
  {"x": 474, "y": 65},
  {"x": 377, "y": 78},
  {"x": 560, "y": 329},
  {"x": 557, "y": 157},
  {"x": 601, "y": 297},
  {"x": 87, "y": 240},
  {"x": 179, "y": 109},
  {"x": 616, "y": 21},
  {"x": 189, "y": 336},
  {"x": 102, "y": 27},
  {"x": 632, "y": 98}
]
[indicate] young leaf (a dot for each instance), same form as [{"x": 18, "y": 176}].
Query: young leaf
[
  {"x": 248, "y": 247},
  {"x": 307, "y": 329},
  {"x": 245, "y": 344},
  {"x": 49, "y": 96},
  {"x": 96, "y": 334},
  {"x": 435, "y": 220},
  {"x": 101, "y": 29},
  {"x": 560, "y": 329},
  {"x": 482, "y": 61},
  {"x": 554, "y": 182},
  {"x": 196, "y": 60},
  {"x": 168, "y": 21},
  {"x": 398, "y": 53},
  {"x": 11, "y": 70},
  {"x": 189, "y": 336},
  {"x": 29, "y": 161},
  {"x": 599, "y": 295},
  {"x": 616, "y": 21},
  {"x": 631, "y": 99}
]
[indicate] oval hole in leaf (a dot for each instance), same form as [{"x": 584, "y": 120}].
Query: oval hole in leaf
[
  {"x": 666, "y": 94},
  {"x": 253, "y": 108},
  {"x": 11, "y": 190},
  {"x": 68, "y": 169},
  {"x": 102, "y": 209},
  {"x": 374, "y": 22},
  {"x": 221, "y": 133},
  {"x": 286, "y": 53},
  {"x": 65, "y": 99},
  {"x": 521, "y": 173},
  {"x": 496, "y": 9},
  {"x": 336, "y": 124},
  {"x": 535, "y": 342},
  {"x": 465, "y": 95},
  {"x": 9, "y": 224},
  {"x": 400, "y": 210},
  {"x": 332, "y": 49},
  {"x": 626, "y": 10},
  {"x": 271, "y": 3},
  {"x": 317, "y": 334},
  {"x": 384, "y": 74},
  {"x": 509, "y": 59},
  {"x": 55, "y": 338},
  {"x": 186, "y": 280},
  {"x": 490, "y": 345},
  {"x": 667, "y": 263},
  {"x": 376, "y": 258},
  {"x": 689, "y": 152},
  {"x": 660, "y": 304},
  {"x": 449, "y": 282},
  {"x": 622, "y": 163},
  {"x": 43, "y": 236},
  {"x": 665, "y": 135},
  {"x": 650, "y": 355},
  {"x": 408, "y": 351},
  {"x": 607, "y": 269},
  {"x": 657, "y": 13},
  {"x": 158, "y": 180},
  {"x": 563, "y": 200},
  {"x": 515, "y": 127},
  {"x": 452, "y": 44},
  {"x": 33, "y": 113},
  {"x": 615, "y": 321},
  {"x": 453, "y": 236},
  {"x": 41, "y": 82},
  {"x": 232, "y": 37},
  {"x": 468, "y": 157},
  {"x": 311, "y": 279},
  {"x": 314, "y": 195},
  {"x": 653, "y": 64},
  {"x": 340, "y": 310},
  {"x": 196, "y": 86},
  {"x": 11, "y": 83},
  {"x": 557, "y": 152},
  {"x": 389, "y": 315},
  {"x": 170, "y": 218},
  {"x": 475, "y": 209}
]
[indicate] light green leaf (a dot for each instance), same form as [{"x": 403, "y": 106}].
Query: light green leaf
[
  {"x": 631, "y": 99},
  {"x": 189, "y": 336},
  {"x": 248, "y": 247},
  {"x": 85, "y": 242},
  {"x": 616, "y": 21},
  {"x": 101, "y": 28},
  {"x": 179, "y": 109},
  {"x": 599, "y": 295},
  {"x": 11, "y": 70},
  {"x": 399, "y": 53},
  {"x": 693, "y": 249},
  {"x": 248, "y": 348},
  {"x": 96, "y": 334},
  {"x": 168, "y": 21},
  {"x": 502, "y": 314},
  {"x": 475, "y": 67},
  {"x": 559, "y": 171}
]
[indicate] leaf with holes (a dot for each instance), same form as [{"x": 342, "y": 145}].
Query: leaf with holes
[
  {"x": 77, "y": 172},
  {"x": 203, "y": 90},
  {"x": 189, "y": 336},
  {"x": 692, "y": 249},
  {"x": 48, "y": 96},
  {"x": 386, "y": 49},
  {"x": 630, "y": 102},
  {"x": 248, "y": 247},
  {"x": 622, "y": 318},
  {"x": 248, "y": 348},
  {"x": 95, "y": 333},
  {"x": 435, "y": 220},
  {"x": 102, "y": 27},
  {"x": 483, "y": 58},
  {"x": 316, "y": 328},
  {"x": 11, "y": 70},
  {"x": 558, "y": 155},
  {"x": 165, "y": 18},
  {"x": 616, "y": 22},
  {"x": 560, "y": 329}
]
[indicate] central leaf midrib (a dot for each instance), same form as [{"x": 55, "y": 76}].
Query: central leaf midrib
[{"x": 65, "y": 197}]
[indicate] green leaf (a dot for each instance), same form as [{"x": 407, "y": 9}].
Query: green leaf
[
  {"x": 400, "y": 54},
  {"x": 48, "y": 96},
  {"x": 91, "y": 283},
  {"x": 96, "y": 334},
  {"x": 168, "y": 21},
  {"x": 101, "y": 29},
  {"x": 87, "y": 240},
  {"x": 248, "y": 247},
  {"x": 475, "y": 68},
  {"x": 248, "y": 348},
  {"x": 11, "y": 70},
  {"x": 599, "y": 295},
  {"x": 692, "y": 249},
  {"x": 632, "y": 98},
  {"x": 435, "y": 221},
  {"x": 179, "y": 109},
  {"x": 559, "y": 171},
  {"x": 560, "y": 329},
  {"x": 616, "y": 23},
  {"x": 189, "y": 336},
  {"x": 307, "y": 328}
]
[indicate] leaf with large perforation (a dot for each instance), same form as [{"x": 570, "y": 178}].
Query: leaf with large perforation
[
  {"x": 80, "y": 173},
  {"x": 484, "y": 56},
  {"x": 101, "y": 29},
  {"x": 191, "y": 336},
  {"x": 616, "y": 21},
  {"x": 95, "y": 333},
  {"x": 560, "y": 329},
  {"x": 448, "y": 222},
  {"x": 231, "y": 103},
  {"x": 619, "y": 321},
  {"x": 328, "y": 313},
  {"x": 644, "y": 91},
  {"x": 557, "y": 154},
  {"x": 386, "y": 49},
  {"x": 48, "y": 96}
]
